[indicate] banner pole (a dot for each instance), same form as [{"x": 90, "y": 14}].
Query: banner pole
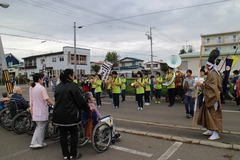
[{"x": 196, "y": 99}]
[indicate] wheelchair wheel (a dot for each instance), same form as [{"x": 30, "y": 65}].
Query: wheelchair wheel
[
  {"x": 2, "y": 114},
  {"x": 82, "y": 140},
  {"x": 102, "y": 137},
  {"x": 18, "y": 123},
  {"x": 30, "y": 125},
  {"x": 6, "y": 121},
  {"x": 52, "y": 131}
]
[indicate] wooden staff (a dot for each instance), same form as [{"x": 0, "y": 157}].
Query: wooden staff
[{"x": 196, "y": 99}]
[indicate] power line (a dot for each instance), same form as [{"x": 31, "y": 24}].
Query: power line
[{"x": 169, "y": 10}]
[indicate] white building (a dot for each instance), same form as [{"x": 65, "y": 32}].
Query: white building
[{"x": 57, "y": 61}]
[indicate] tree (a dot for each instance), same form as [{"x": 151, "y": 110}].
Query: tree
[
  {"x": 95, "y": 68},
  {"x": 182, "y": 51},
  {"x": 164, "y": 67},
  {"x": 112, "y": 57}
]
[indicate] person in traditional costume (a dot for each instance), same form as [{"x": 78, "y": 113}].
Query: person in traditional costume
[{"x": 210, "y": 115}]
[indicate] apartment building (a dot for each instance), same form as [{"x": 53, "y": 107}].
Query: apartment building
[{"x": 53, "y": 63}]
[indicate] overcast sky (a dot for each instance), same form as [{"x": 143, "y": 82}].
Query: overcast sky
[{"x": 33, "y": 27}]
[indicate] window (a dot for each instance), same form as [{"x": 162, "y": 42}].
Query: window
[
  {"x": 72, "y": 57},
  {"x": 10, "y": 64},
  {"x": 133, "y": 63},
  {"x": 219, "y": 48},
  {"x": 232, "y": 47},
  {"x": 207, "y": 49},
  {"x": 54, "y": 59},
  {"x": 61, "y": 58},
  {"x": 207, "y": 40},
  {"x": 148, "y": 65},
  {"x": 218, "y": 40},
  {"x": 184, "y": 65},
  {"x": 155, "y": 65},
  {"x": 233, "y": 38},
  {"x": 42, "y": 60}
]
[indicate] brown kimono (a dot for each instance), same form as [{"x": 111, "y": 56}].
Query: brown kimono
[{"x": 208, "y": 117}]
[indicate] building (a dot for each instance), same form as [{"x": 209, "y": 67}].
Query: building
[
  {"x": 53, "y": 63},
  {"x": 13, "y": 65},
  {"x": 226, "y": 43},
  {"x": 221, "y": 41},
  {"x": 129, "y": 66},
  {"x": 156, "y": 66}
]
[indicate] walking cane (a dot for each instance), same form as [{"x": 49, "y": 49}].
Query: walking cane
[{"x": 196, "y": 99}]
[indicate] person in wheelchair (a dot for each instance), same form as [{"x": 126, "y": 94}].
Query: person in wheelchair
[
  {"x": 22, "y": 104},
  {"x": 5, "y": 98},
  {"x": 95, "y": 113},
  {"x": 96, "y": 116}
]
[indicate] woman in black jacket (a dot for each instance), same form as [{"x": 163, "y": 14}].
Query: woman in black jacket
[{"x": 67, "y": 112}]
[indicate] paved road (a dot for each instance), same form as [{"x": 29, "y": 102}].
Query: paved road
[{"x": 155, "y": 119}]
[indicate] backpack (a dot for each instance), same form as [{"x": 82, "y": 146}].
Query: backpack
[
  {"x": 238, "y": 87},
  {"x": 126, "y": 83}
]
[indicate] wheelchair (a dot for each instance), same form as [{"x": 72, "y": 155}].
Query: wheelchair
[{"x": 103, "y": 135}]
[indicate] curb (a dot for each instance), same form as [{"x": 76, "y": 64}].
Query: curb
[
  {"x": 181, "y": 139},
  {"x": 174, "y": 126}
]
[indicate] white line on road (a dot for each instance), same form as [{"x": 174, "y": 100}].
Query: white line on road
[
  {"x": 231, "y": 111},
  {"x": 131, "y": 151},
  {"x": 170, "y": 151}
]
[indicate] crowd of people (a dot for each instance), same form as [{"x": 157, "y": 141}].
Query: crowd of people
[{"x": 71, "y": 102}]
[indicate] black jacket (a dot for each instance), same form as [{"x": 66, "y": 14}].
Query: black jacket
[{"x": 68, "y": 104}]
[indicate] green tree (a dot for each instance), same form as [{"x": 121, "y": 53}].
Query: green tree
[
  {"x": 95, "y": 68},
  {"x": 111, "y": 57},
  {"x": 164, "y": 67},
  {"x": 182, "y": 51}
]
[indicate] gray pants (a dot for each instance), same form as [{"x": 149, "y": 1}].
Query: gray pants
[{"x": 39, "y": 133}]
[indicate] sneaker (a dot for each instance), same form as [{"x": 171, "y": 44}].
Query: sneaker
[
  {"x": 156, "y": 101},
  {"x": 116, "y": 107},
  {"x": 76, "y": 157},
  {"x": 99, "y": 105},
  {"x": 66, "y": 158},
  {"x": 139, "y": 108},
  {"x": 35, "y": 146},
  {"x": 44, "y": 144},
  {"x": 145, "y": 104}
]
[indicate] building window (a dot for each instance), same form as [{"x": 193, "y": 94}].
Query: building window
[
  {"x": 233, "y": 47},
  {"x": 219, "y": 48},
  {"x": 10, "y": 64},
  {"x": 207, "y": 40},
  {"x": 207, "y": 49},
  {"x": 61, "y": 58},
  {"x": 184, "y": 65},
  {"x": 72, "y": 57},
  {"x": 155, "y": 65},
  {"x": 148, "y": 65},
  {"x": 218, "y": 40},
  {"x": 42, "y": 60},
  {"x": 233, "y": 38},
  {"x": 54, "y": 59}
]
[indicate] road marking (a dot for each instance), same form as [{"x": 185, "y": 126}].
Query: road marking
[
  {"x": 106, "y": 103},
  {"x": 170, "y": 151},
  {"x": 20, "y": 152},
  {"x": 231, "y": 111},
  {"x": 131, "y": 151}
]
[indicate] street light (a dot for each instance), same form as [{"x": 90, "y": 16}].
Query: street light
[
  {"x": 4, "y": 5},
  {"x": 75, "y": 56}
]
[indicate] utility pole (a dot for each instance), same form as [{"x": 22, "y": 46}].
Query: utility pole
[
  {"x": 75, "y": 56},
  {"x": 151, "y": 50}
]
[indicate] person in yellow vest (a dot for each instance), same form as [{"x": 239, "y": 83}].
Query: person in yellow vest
[
  {"x": 139, "y": 85},
  {"x": 108, "y": 82},
  {"x": 171, "y": 86},
  {"x": 123, "y": 87},
  {"x": 93, "y": 85},
  {"x": 98, "y": 90},
  {"x": 158, "y": 87},
  {"x": 147, "y": 83},
  {"x": 115, "y": 88}
]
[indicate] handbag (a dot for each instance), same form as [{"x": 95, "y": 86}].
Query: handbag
[
  {"x": 195, "y": 93},
  {"x": 89, "y": 126}
]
